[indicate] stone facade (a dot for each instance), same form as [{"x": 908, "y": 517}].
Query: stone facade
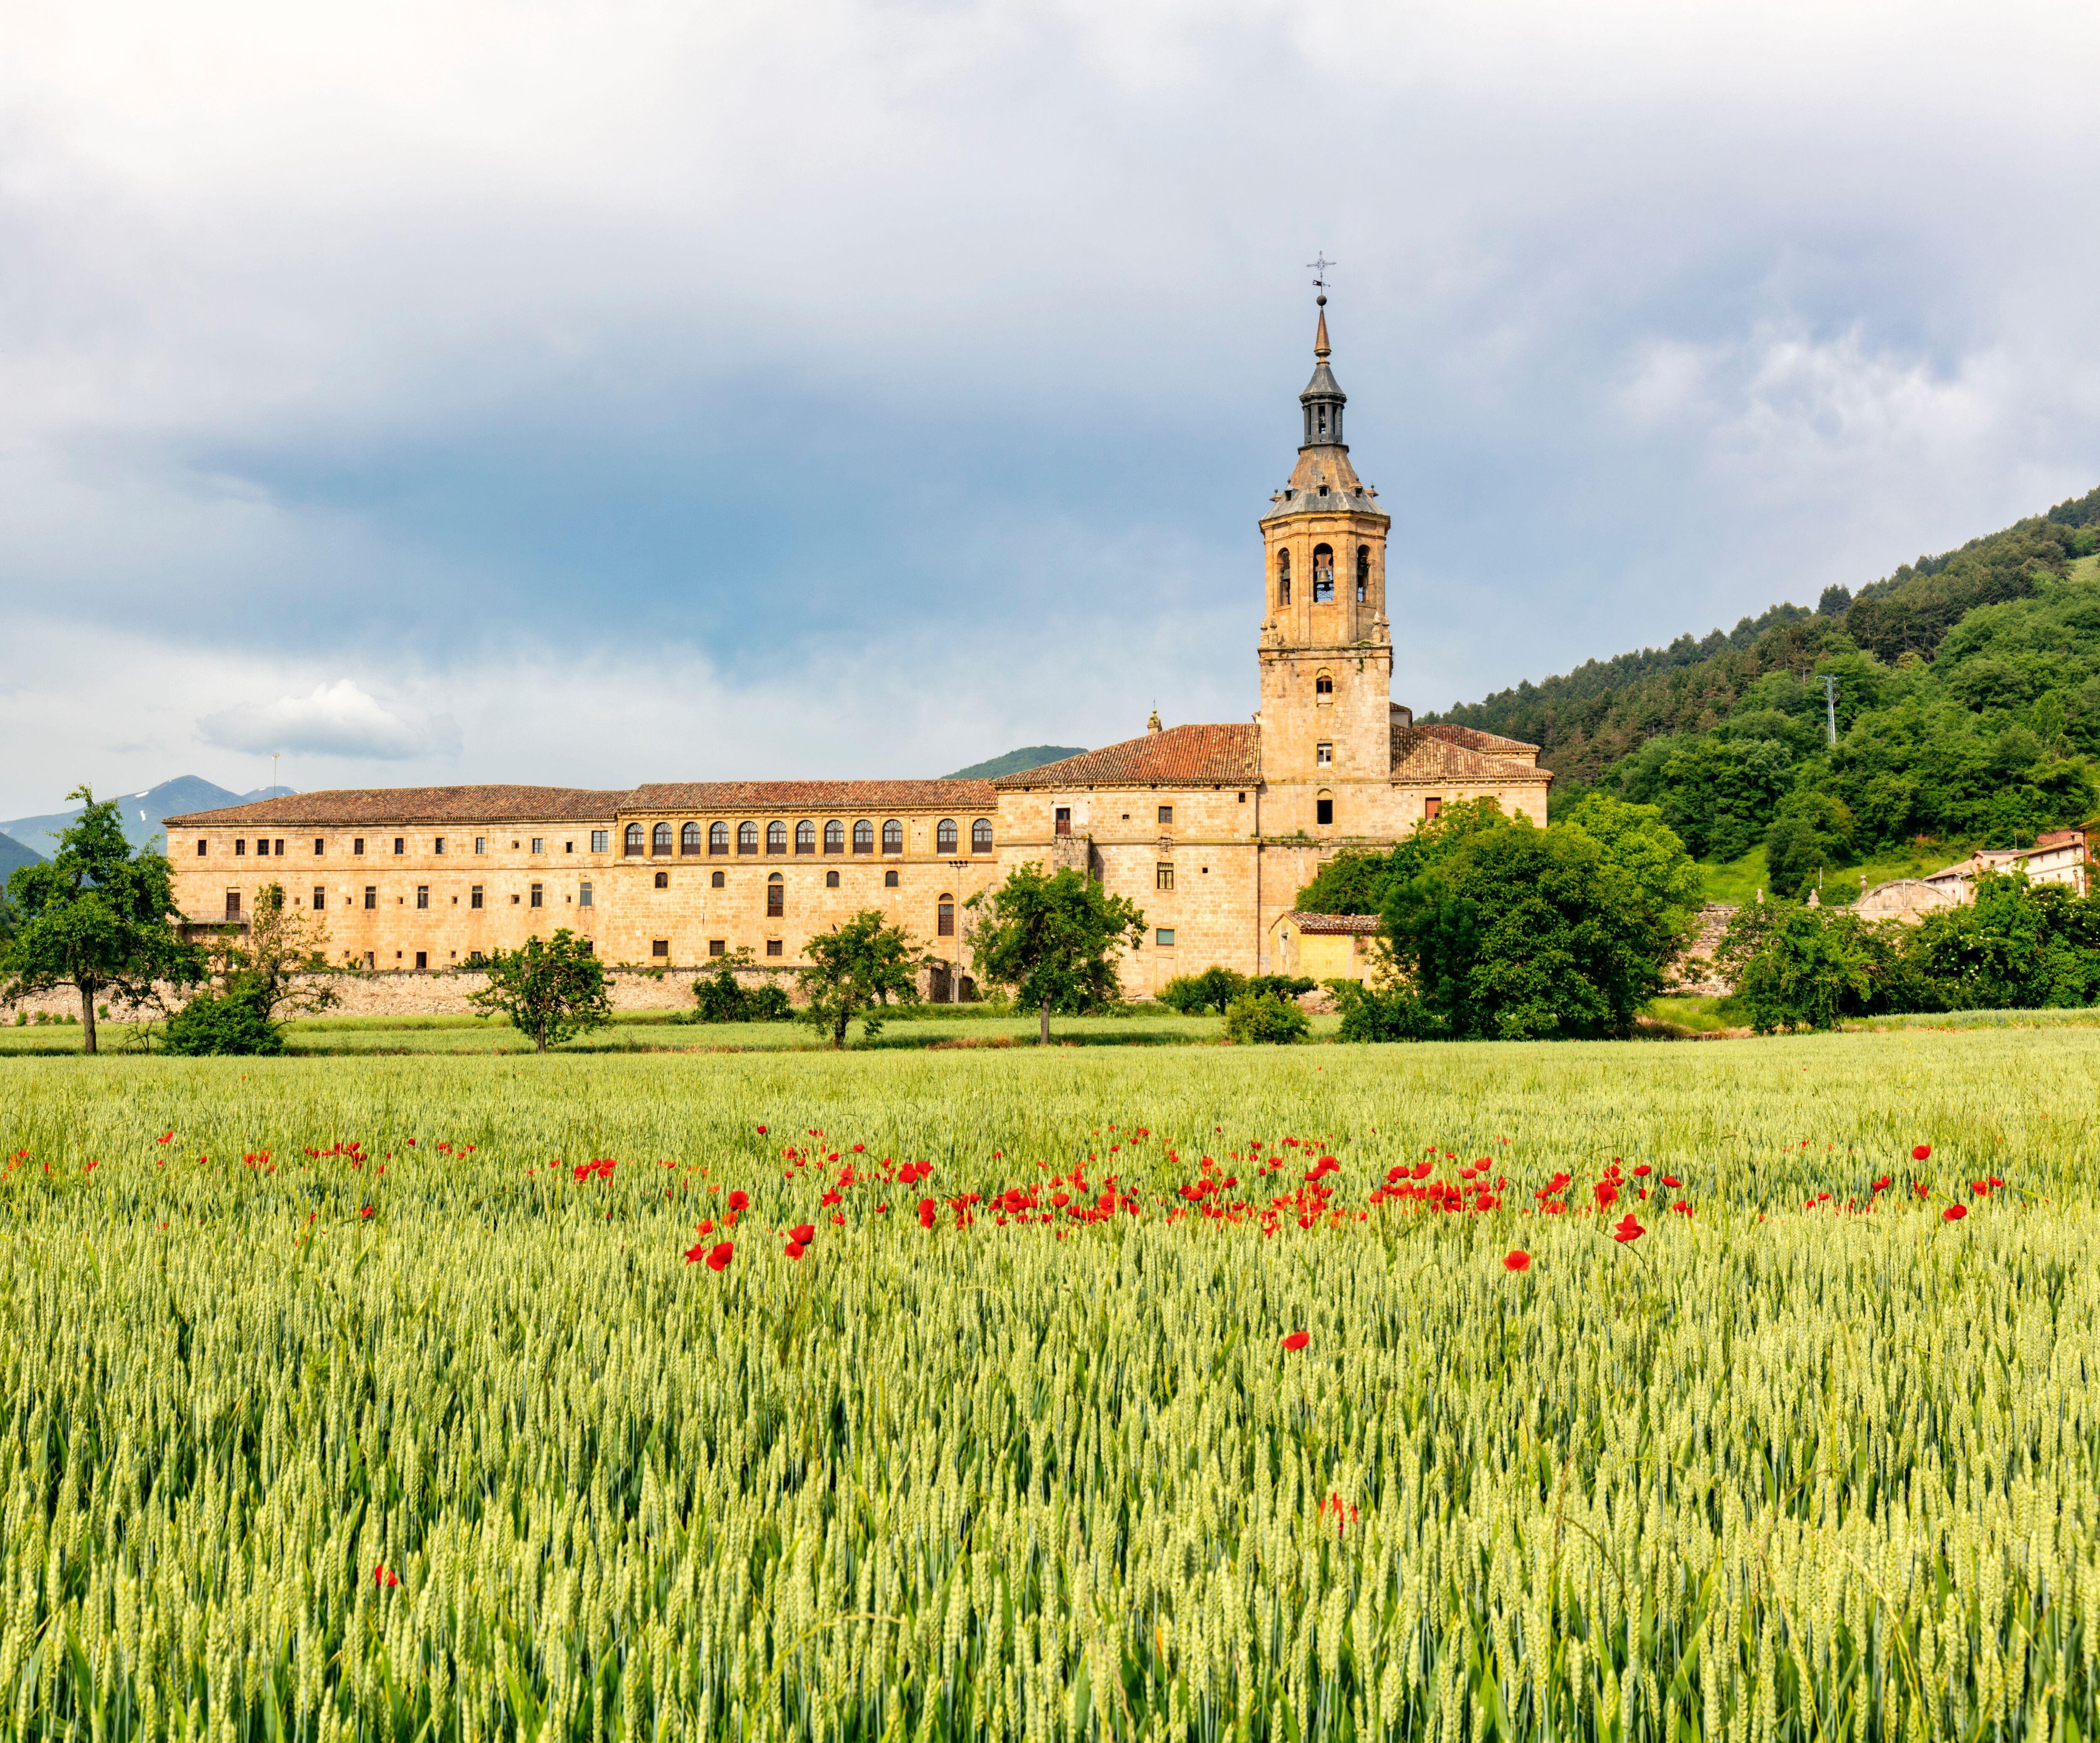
[
  {"x": 1211, "y": 830},
  {"x": 1326, "y": 946}
]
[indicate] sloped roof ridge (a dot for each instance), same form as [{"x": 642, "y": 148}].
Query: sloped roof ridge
[
  {"x": 1196, "y": 755},
  {"x": 808, "y": 795},
  {"x": 1472, "y": 738},
  {"x": 485, "y": 803}
]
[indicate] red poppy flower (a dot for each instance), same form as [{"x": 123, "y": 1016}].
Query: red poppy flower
[
  {"x": 1955, "y": 1213},
  {"x": 928, "y": 1211},
  {"x": 740, "y": 1201},
  {"x": 695, "y": 1252},
  {"x": 1606, "y": 1192},
  {"x": 1923, "y": 1153},
  {"x": 762, "y": 1131},
  {"x": 385, "y": 1576},
  {"x": 1516, "y": 1262},
  {"x": 802, "y": 1233},
  {"x": 1920, "y": 1188},
  {"x": 366, "y": 1212},
  {"x": 1628, "y": 1228},
  {"x": 795, "y": 1249},
  {"x": 719, "y": 1257},
  {"x": 1298, "y": 1341},
  {"x": 1642, "y": 1169}
]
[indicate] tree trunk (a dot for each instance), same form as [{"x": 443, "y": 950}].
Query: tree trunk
[
  {"x": 86, "y": 1015},
  {"x": 839, "y": 1031},
  {"x": 1045, "y": 1040},
  {"x": 539, "y": 1040}
]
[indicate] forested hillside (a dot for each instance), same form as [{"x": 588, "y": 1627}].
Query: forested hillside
[{"x": 1967, "y": 709}]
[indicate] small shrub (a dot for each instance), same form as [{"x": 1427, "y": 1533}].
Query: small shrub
[
  {"x": 1372, "y": 1013},
  {"x": 233, "y": 1023},
  {"x": 1262, "y": 1019},
  {"x": 1214, "y": 989}
]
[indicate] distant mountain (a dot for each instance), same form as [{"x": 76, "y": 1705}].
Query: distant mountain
[
  {"x": 1035, "y": 756},
  {"x": 13, "y": 853},
  {"x": 142, "y": 812}
]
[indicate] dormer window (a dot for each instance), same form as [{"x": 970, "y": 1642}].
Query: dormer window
[{"x": 1323, "y": 574}]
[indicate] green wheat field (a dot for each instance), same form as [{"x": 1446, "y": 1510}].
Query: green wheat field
[{"x": 455, "y": 1397}]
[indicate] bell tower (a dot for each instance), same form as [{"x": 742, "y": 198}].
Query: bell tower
[{"x": 1327, "y": 643}]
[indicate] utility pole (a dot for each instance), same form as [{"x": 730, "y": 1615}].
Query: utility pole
[{"x": 1830, "y": 704}]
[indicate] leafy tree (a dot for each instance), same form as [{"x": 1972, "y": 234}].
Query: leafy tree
[
  {"x": 96, "y": 916},
  {"x": 857, "y": 969},
  {"x": 2017, "y": 946},
  {"x": 236, "y": 1021},
  {"x": 1796, "y": 967},
  {"x": 1523, "y": 933},
  {"x": 1813, "y": 833},
  {"x": 549, "y": 991},
  {"x": 1264, "y": 1018},
  {"x": 1281, "y": 986},
  {"x": 1053, "y": 938},
  {"x": 1388, "y": 1010},
  {"x": 279, "y": 964},
  {"x": 1353, "y": 881}
]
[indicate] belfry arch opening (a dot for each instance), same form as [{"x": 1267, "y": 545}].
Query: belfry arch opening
[
  {"x": 1363, "y": 573},
  {"x": 1283, "y": 577},
  {"x": 1323, "y": 574}
]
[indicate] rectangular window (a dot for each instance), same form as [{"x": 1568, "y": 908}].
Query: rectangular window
[
  {"x": 357, "y": 844},
  {"x": 1324, "y": 755},
  {"x": 1323, "y": 811},
  {"x": 583, "y": 895},
  {"x": 422, "y": 959},
  {"x": 773, "y": 947},
  {"x": 400, "y": 844},
  {"x": 233, "y": 904},
  {"x": 370, "y": 960},
  {"x": 1166, "y": 937},
  {"x": 473, "y": 896},
  {"x": 371, "y": 895},
  {"x": 239, "y": 846},
  {"x": 776, "y": 901},
  {"x": 659, "y": 947},
  {"x": 539, "y": 843},
  {"x": 538, "y": 896},
  {"x": 717, "y": 947},
  {"x": 438, "y": 845},
  {"x": 601, "y": 840},
  {"x": 200, "y": 850},
  {"x": 1166, "y": 813},
  {"x": 262, "y": 847},
  {"x": 481, "y": 844},
  {"x": 320, "y": 898},
  {"x": 1163, "y": 876},
  {"x": 320, "y": 846},
  {"x": 1431, "y": 806},
  {"x": 422, "y": 895},
  {"x": 944, "y": 920},
  {"x": 1064, "y": 819}
]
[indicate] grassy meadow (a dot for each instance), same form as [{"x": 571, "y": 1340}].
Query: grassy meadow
[{"x": 415, "y": 1397}]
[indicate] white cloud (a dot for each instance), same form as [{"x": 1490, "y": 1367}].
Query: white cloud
[{"x": 337, "y": 719}]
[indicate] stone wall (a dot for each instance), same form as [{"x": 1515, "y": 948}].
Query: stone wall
[{"x": 1713, "y": 923}]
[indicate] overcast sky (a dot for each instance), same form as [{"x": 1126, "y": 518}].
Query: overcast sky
[{"x": 594, "y": 394}]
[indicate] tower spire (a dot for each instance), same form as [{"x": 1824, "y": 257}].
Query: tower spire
[
  {"x": 1320, "y": 338},
  {"x": 1323, "y": 397}
]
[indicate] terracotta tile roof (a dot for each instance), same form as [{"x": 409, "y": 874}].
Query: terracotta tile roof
[
  {"x": 1423, "y": 753},
  {"x": 811, "y": 795},
  {"x": 1319, "y": 923},
  {"x": 1179, "y": 756},
  {"x": 1469, "y": 738},
  {"x": 412, "y": 805}
]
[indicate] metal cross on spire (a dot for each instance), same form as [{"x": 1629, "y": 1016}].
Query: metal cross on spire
[{"x": 1318, "y": 268}]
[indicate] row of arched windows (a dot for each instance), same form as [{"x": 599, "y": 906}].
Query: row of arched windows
[
  {"x": 946, "y": 837},
  {"x": 1323, "y": 575}
]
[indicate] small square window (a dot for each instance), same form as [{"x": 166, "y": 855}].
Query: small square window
[
  {"x": 831, "y": 880},
  {"x": 717, "y": 947},
  {"x": 773, "y": 947},
  {"x": 601, "y": 840},
  {"x": 663, "y": 880},
  {"x": 659, "y": 947},
  {"x": 539, "y": 843},
  {"x": 889, "y": 880},
  {"x": 1166, "y": 813},
  {"x": 481, "y": 844},
  {"x": 515, "y": 900},
  {"x": 718, "y": 881},
  {"x": 1166, "y": 937},
  {"x": 1324, "y": 755},
  {"x": 1163, "y": 876},
  {"x": 568, "y": 846}
]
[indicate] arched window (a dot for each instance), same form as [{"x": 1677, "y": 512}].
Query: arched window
[
  {"x": 835, "y": 838},
  {"x": 659, "y": 839},
  {"x": 776, "y": 897},
  {"x": 1363, "y": 573},
  {"x": 831, "y": 880},
  {"x": 805, "y": 837},
  {"x": 1324, "y": 684},
  {"x": 1283, "y": 577},
  {"x": 717, "y": 881},
  {"x": 980, "y": 836},
  {"x": 689, "y": 838},
  {"x": 1323, "y": 574},
  {"x": 776, "y": 838},
  {"x": 747, "y": 838},
  {"x": 892, "y": 837},
  {"x": 863, "y": 837},
  {"x": 634, "y": 837},
  {"x": 1323, "y": 808},
  {"x": 944, "y": 836},
  {"x": 944, "y": 917},
  {"x": 663, "y": 880},
  {"x": 718, "y": 838}
]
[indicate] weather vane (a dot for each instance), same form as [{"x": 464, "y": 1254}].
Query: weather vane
[{"x": 1318, "y": 268}]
